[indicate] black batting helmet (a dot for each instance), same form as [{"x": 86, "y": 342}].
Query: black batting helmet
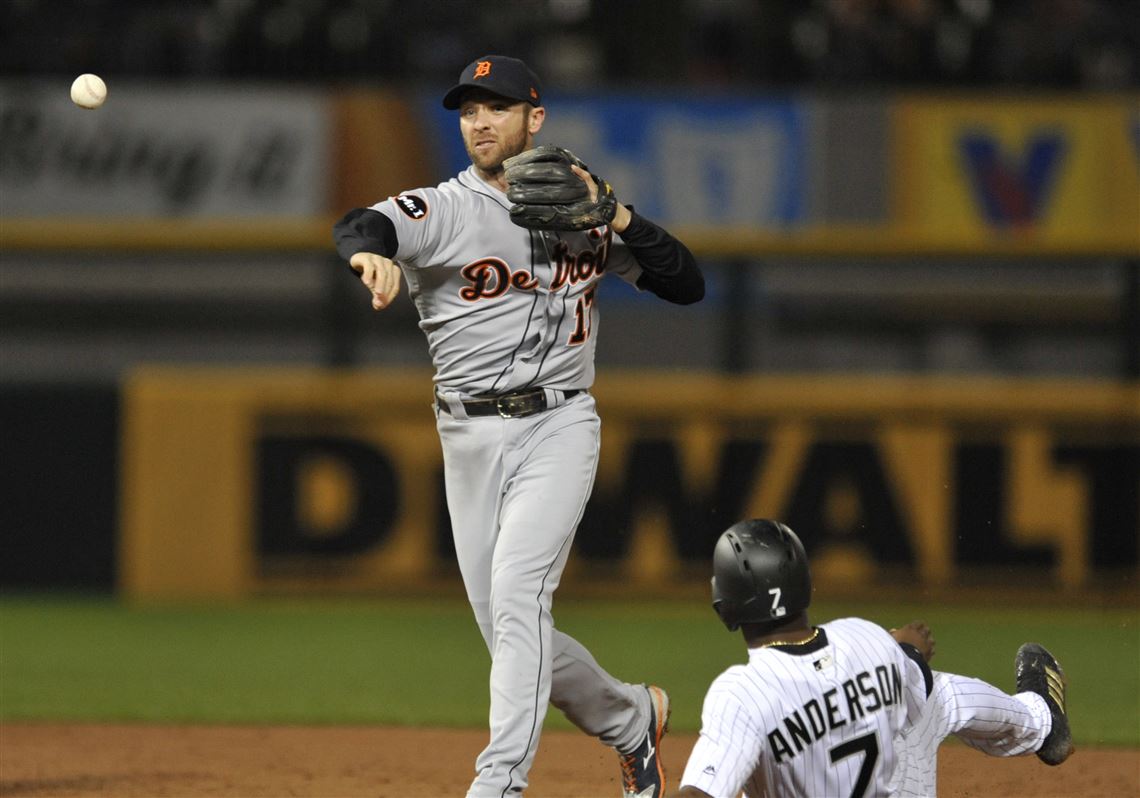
[{"x": 760, "y": 574}]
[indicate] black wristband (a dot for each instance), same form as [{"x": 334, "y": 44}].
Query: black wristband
[
  {"x": 927, "y": 676},
  {"x": 365, "y": 230}
]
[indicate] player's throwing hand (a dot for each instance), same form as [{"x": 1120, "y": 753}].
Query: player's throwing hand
[{"x": 380, "y": 275}]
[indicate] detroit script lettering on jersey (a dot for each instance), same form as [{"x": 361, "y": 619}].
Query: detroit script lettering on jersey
[
  {"x": 492, "y": 277},
  {"x": 572, "y": 268}
]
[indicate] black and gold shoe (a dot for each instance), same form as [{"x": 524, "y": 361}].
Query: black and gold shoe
[{"x": 1039, "y": 672}]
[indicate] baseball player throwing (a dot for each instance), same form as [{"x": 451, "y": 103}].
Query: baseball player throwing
[
  {"x": 846, "y": 708},
  {"x": 503, "y": 264}
]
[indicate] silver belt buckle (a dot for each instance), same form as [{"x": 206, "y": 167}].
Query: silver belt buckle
[
  {"x": 503, "y": 405},
  {"x": 517, "y": 406}
]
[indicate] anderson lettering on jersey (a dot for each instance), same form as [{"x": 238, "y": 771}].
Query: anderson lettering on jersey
[{"x": 861, "y": 694}]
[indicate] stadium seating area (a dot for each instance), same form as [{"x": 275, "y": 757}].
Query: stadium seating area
[{"x": 1086, "y": 44}]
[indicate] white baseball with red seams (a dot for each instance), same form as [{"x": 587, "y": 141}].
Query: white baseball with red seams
[{"x": 88, "y": 91}]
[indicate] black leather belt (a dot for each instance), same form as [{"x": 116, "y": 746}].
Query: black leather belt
[{"x": 509, "y": 405}]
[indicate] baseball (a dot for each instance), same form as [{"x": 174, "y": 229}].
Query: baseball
[{"x": 88, "y": 91}]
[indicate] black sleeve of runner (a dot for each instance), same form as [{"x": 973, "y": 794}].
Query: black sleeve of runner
[
  {"x": 916, "y": 655},
  {"x": 365, "y": 230},
  {"x": 668, "y": 268}
]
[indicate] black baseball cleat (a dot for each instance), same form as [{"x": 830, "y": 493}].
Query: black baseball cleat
[
  {"x": 1039, "y": 672},
  {"x": 642, "y": 775}
]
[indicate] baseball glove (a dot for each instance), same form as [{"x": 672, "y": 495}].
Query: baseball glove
[{"x": 547, "y": 195}]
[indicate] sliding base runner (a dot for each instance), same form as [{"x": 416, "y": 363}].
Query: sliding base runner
[{"x": 846, "y": 708}]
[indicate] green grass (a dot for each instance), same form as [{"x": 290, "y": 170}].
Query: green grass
[{"x": 422, "y": 662}]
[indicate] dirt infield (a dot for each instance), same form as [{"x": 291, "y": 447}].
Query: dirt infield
[{"x": 66, "y": 761}]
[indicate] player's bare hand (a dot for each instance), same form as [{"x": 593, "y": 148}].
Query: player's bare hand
[
  {"x": 621, "y": 215},
  {"x": 588, "y": 180},
  {"x": 380, "y": 275},
  {"x": 918, "y": 634}
]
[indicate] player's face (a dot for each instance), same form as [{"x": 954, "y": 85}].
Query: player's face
[{"x": 495, "y": 128}]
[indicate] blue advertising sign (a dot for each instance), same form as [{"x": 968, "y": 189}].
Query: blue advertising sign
[{"x": 722, "y": 161}]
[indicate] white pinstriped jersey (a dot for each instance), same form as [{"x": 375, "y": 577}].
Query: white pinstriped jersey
[
  {"x": 978, "y": 714},
  {"x": 503, "y": 308},
  {"x": 813, "y": 720}
]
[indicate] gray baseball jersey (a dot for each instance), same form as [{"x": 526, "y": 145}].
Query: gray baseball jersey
[
  {"x": 848, "y": 715},
  {"x": 503, "y": 308},
  {"x": 506, "y": 310}
]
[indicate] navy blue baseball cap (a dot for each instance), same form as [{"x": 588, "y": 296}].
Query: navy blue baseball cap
[{"x": 508, "y": 77}]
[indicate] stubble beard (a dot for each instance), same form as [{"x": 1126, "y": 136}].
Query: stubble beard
[{"x": 490, "y": 164}]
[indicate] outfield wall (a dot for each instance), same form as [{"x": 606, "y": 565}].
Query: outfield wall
[{"x": 240, "y": 483}]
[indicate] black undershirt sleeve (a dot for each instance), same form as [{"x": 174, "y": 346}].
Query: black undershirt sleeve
[
  {"x": 916, "y": 655},
  {"x": 365, "y": 230},
  {"x": 668, "y": 268}
]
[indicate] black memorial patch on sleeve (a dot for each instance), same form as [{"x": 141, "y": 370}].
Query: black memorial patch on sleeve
[{"x": 414, "y": 207}]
